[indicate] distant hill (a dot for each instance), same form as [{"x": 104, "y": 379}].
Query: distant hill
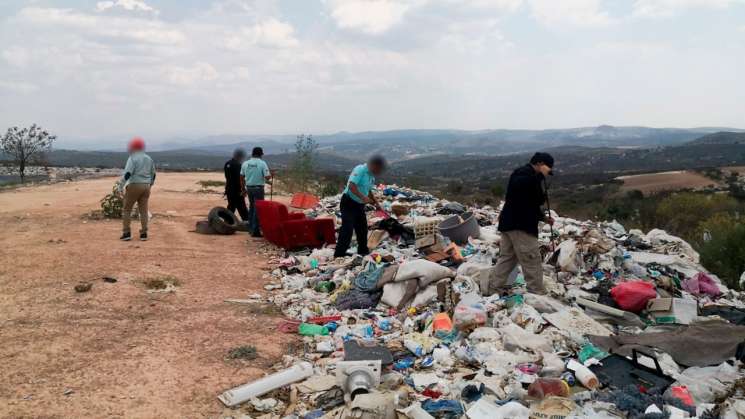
[
  {"x": 721, "y": 138},
  {"x": 412, "y": 143},
  {"x": 185, "y": 160}
]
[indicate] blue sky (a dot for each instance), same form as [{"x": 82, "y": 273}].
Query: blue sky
[{"x": 158, "y": 68}]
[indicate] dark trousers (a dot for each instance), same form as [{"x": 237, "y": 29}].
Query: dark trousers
[
  {"x": 238, "y": 202},
  {"x": 353, "y": 220},
  {"x": 255, "y": 193}
]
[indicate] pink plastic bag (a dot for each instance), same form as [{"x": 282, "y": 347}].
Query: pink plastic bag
[
  {"x": 633, "y": 296},
  {"x": 701, "y": 284}
]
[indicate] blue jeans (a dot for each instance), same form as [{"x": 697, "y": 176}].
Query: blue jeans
[{"x": 255, "y": 193}]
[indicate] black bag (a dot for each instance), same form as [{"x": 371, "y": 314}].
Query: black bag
[{"x": 618, "y": 372}]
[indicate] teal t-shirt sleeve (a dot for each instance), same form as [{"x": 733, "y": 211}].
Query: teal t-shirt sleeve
[
  {"x": 356, "y": 177},
  {"x": 265, "y": 168}
]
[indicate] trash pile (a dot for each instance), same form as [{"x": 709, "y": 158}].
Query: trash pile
[{"x": 632, "y": 326}]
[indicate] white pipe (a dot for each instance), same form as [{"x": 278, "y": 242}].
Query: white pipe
[{"x": 264, "y": 385}]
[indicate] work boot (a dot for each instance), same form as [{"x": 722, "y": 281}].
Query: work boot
[
  {"x": 126, "y": 237},
  {"x": 143, "y": 236}
]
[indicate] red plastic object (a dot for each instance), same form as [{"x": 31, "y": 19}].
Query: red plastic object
[
  {"x": 633, "y": 296},
  {"x": 304, "y": 200},
  {"x": 324, "y": 320},
  {"x": 681, "y": 393},
  {"x": 293, "y": 230}
]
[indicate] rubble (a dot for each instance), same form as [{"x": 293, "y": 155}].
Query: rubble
[{"x": 412, "y": 329}]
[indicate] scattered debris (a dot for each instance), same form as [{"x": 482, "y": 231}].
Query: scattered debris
[{"x": 414, "y": 329}]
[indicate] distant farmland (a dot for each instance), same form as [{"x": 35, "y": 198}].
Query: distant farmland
[{"x": 651, "y": 183}]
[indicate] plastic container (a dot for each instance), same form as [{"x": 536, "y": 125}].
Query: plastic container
[
  {"x": 544, "y": 387},
  {"x": 583, "y": 374},
  {"x": 264, "y": 385},
  {"x": 459, "y": 228}
]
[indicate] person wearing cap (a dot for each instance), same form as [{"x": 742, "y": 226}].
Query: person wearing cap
[
  {"x": 233, "y": 189},
  {"x": 138, "y": 178},
  {"x": 518, "y": 224},
  {"x": 254, "y": 174},
  {"x": 356, "y": 195}
]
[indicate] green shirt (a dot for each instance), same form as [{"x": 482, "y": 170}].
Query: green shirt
[
  {"x": 254, "y": 171},
  {"x": 364, "y": 180}
]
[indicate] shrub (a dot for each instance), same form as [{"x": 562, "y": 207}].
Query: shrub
[{"x": 723, "y": 252}]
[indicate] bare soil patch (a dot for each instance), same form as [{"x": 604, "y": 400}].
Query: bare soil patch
[
  {"x": 118, "y": 350},
  {"x": 665, "y": 181}
]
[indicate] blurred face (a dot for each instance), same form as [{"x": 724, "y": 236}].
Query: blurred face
[
  {"x": 543, "y": 169},
  {"x": 376, "y": 169}
]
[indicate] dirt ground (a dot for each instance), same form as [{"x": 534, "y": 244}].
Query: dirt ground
[
  {"x": 119, "y": 350},
  {"x": 665, "y": 181}
]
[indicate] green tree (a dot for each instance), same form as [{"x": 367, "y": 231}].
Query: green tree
[
  {"x": 682, "y": 213},
  {"x": 303, "y": 165},
  {"x": 723, "y": 249}
]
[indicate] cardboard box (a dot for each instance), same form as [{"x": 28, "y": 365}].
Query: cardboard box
[{"x": 672, "y": 310}]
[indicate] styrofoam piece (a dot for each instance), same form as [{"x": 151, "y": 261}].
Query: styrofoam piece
[{"x": 264, "y": 385}]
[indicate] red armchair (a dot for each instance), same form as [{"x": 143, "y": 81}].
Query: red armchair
[{"x": 291, "y": 230}]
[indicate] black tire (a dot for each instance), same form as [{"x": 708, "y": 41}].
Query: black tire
[
  {"x": 222, "y": 220},
  {"x": 204, "y": 227}
]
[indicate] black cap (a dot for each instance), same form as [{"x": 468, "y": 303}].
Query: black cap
[
  {"x": 257, "y": 152},
  {"x": 544, "y": 158}
]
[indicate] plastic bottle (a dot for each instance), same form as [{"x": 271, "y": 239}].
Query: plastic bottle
[
  {"x": 584, "y": 375},
  {"x": 544, "y": 387}
]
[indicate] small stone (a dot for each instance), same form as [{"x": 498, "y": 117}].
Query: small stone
[{"x": 84, "y": 287}]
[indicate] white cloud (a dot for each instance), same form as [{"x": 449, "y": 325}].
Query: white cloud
[
  {"x": 370, "y": 16},
  {"x": 669, "y": 8},
  {"x": 199, "y": 72},
  {"x": 570, "y": 12},
  {"x": 133, "y": 29},
  {"x": 130, "y": 5}
]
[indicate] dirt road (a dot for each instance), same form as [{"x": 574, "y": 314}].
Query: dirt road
[{"x": 119, "y": 350}]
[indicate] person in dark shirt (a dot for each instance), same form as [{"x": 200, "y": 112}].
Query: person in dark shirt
[
  {"x": 518, "y": 224},
  {"x": 233, "y": 191}
]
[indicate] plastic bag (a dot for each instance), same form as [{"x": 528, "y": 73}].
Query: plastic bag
[
  {"x": 633, "y": 296},
  {"x": 469, "y": 316}
]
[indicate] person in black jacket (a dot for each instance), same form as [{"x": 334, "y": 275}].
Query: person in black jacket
[
  {"x": 518, "y": 223},
  {"x": 233, "y": 190}
]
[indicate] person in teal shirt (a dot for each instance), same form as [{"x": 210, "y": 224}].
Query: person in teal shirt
[
  {"x": 357, "y": 194},
  {"x": 254, "y": 174}
]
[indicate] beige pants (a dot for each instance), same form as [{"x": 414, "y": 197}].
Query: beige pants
[
  {"x": 139, "y": 193},
  {"x": 518, "y": 247}
]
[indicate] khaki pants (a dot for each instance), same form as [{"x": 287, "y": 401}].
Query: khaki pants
[
  {"x": 139, "y": 193},
  {"x": 518, "y": 247}
]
